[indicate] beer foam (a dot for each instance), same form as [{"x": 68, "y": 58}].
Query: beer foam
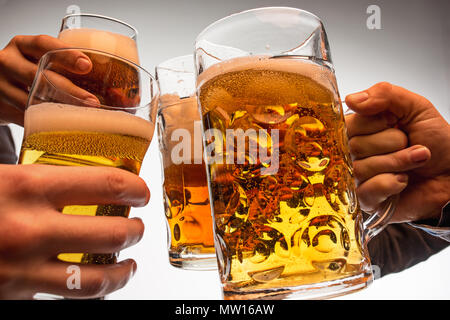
[
  {"x": 322, "y": 75},
  {"x": 50, "y": 117},
  {"x": 179, "y": 109},
  {"x": 109, "y": 42},
  {"x": 181, "y": 113}
]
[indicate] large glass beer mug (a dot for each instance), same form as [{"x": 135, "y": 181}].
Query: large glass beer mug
[
  {"x": 105, "y": 117},
  {"x": 286, "y": 219}
]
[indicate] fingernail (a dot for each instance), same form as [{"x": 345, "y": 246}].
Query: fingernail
[
  {"x": 419, "y": 154},
  {"x": 402, "y": 178},
  {"x": 92, "y": 100},
  {"x": 83, "y": 64},
  {"x": 359, "y": 97}
]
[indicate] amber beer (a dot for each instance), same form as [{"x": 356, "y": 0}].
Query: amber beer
[
  {"x": 61, "y": 134},
  {"x": 295, "y": 225},
  {"x": 185, "y": 189}
]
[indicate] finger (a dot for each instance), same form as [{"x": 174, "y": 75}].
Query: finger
[
  {"x": 62, "y": 186},
  {"x": 376, "y": 190},
  {"x": 403, "y": 160},
  {"x": 80, "y": 281},
  {"x": 36, "y": 46},
  {"x": 65, "y": 85},
  {"x": 362, "y": 125},
  {"x": 67, "y": 233},
  {"x": 383, "y": 142},
  {"x": 405, "y": 105},
  {"x": 10, "y": 114},
  {"x": 13, "y": 101},
  {"x": 13, "y": 95},
  {"x": 18, "y": 68}
]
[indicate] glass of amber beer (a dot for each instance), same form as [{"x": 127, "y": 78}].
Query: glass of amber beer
[
  {"x": 287, "y": 223},
  {"x": 101, "y": 118},
  {"x": 93, "y": 31},
  {"x": 185, "y": 188}
]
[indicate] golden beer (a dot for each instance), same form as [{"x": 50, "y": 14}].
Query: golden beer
[
  {"x": 185, "y": 188},
  {"x": 298, "y": 224},
  {"x": 58, "y": 134}
]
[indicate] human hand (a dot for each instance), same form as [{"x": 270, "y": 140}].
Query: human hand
[
  {"x": 400, "y": 144},
  {"x": 33, "y": 231},
  {"x": 18, "y": 66}
]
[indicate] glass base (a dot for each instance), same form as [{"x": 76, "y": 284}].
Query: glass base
[
  {"x": 192, "y": 261},
  {"x": 322, "y": 290}
]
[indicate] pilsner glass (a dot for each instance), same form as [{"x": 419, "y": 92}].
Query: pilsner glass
[
  {"x": 103, "y": 118},
  {"x": 286, "y": 219},
  {"x": 102, "y": 33},
  {"x": 185, "y": 188}
]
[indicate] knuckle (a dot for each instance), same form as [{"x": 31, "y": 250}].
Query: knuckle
[
  {"x": 16, "y": 39},
  {"x": 117, "y": 185},
  {"x": 18, "y": 237},
  {"x": 96, "y": 285},
  {"x": 40, "y": 40},
  {"x": 355, "y": 147},
  {"x": 384, "y": 87},
  {"x": 3, "y": 57},
  {"x": 119, "y": 236},
  {"x": 357, "y": 170}
]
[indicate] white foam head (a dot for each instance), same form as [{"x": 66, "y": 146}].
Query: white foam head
[
  {"x": 307, "y": 68},
  {"x": 109, "y": 42},
  {"x": 50, "y": 117}
]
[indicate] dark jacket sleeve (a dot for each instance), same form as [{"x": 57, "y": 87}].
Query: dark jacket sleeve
[
  {"x": 7, "y": 149},
  {"x": 401, "y": 246}
]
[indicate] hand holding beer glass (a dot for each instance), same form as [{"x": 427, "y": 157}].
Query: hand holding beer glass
[
  {"x": 287, "y": 221},
  {"x": 185, "y": 189},
  {"x": 101, "y": 118}
]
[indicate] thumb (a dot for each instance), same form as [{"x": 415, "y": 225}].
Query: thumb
[{"x": 406, "y": 106}]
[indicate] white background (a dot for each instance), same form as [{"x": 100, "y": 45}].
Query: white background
[{"x": 411, "y": 50}]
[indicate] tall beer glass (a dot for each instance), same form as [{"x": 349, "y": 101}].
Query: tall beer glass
[
  {"x": 103, "y": 118},
  {"x": 185, "y": 188},
  {"x": 287, "y": 221},
  {"x": 102, "y": 33}
]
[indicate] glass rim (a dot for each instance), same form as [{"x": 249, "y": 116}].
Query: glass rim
[
  {"x": 163, "y": 66},
  {"x": 92, "y": 104},
  {"x": 220, "y": 21},
  {"x": 99, "y": 16}
]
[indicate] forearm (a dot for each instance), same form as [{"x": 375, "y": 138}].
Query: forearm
[{"x": 401, "y": 246}]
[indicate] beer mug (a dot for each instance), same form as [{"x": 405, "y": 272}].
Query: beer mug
[
  {"x": 93, "y": 31},
  {"x": 185, "y": 190},
  {"x": 104, "y": 118},
  {"x": 287, "y": 223}
]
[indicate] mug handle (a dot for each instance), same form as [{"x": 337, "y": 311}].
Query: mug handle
[{"x": 379, "y": 218}]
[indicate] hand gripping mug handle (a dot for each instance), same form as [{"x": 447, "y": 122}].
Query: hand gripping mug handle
[{"x": 379, "y": 218}]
